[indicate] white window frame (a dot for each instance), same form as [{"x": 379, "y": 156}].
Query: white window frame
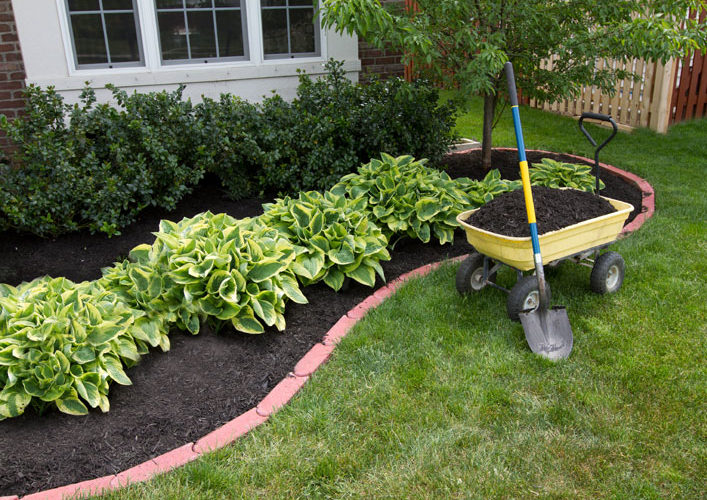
[
  {"x": 289, "y": 54},
  {"x": 189, "y": 71},
  {"x": 106, "y": 65},
  {"x": 201, "y": 60}
]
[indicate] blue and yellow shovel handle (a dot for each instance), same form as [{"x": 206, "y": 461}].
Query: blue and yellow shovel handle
[{"x": 524, "y": 175}]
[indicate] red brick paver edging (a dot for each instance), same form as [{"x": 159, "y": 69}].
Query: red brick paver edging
[{"x": 290, "y": 385}]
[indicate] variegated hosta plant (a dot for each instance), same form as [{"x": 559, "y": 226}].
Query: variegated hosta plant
[
  {"x": 557, "y": 174},
  {"x": 407, "y": 198},
  {"x": 62, "y": 343},
  {"x": 483, "y": 191},
  {"x": 212, "y": 267},
  {"x": 333, "y": 237}
]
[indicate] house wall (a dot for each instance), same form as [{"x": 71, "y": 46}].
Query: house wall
[
  {"x": 12, "y": 71},
  {"x": 44, "y": 36},
  {"x": 381, "y": 63}
]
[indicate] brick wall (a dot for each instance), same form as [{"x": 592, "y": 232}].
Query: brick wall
[
  {"x": 384, "y": 63},
  {"x": 12, "y": 69}
]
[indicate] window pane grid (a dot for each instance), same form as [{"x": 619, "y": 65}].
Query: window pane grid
[
  {"x": 82, "y": 41},
  {"x": 278, "y": 39},
  {"x": 209, "y": 36}
]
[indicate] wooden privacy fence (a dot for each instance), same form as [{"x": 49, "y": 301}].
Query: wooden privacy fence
[
  {"x": 689, "y": 98},
  {"x": 665, "y": 94},
  {"x": 643, "y": 103}
]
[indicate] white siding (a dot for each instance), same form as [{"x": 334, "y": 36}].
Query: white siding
[{"x": 43, "y": 33}]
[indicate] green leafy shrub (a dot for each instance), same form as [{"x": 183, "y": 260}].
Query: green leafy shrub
[
  {"x": 236, "y": 143},
  {"x": 402, "y": 118},
  {"x": 63, "y": 344},
  {"x": 94, "y": 166},
  {"x": 407, "y": 198},
  {"x": 332, "y": 235},
  {"x": 331, "y": 127},
  {"x": 557, "y": 174},
  {"x": 211, "y": 267}
]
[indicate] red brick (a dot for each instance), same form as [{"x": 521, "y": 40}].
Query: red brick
[
  {"x": 12, "y": 56},
  {"x": 92, "y": 487},
  {"x": 280, "y": 395},
  {"x": 11, "y": 85},
  {"x": 384, "y": 292},
  {"x": 388, "y": 60},
  {"x": 158, "y": 465},
  {"x": 7, "y": 67},
  {"x": 9, "y": 37},
  {"x": 317, "y": 355},
  {"x": 175, "y": 458},
  {"x": 420, "y": 271},
  {"x": 137, "y": 474},
  {"x": 339, "y": 330},
  {"x": 229, "y": 432},
  {"x": 14, "y": 104},
  {"x": 362, "y": 308}
]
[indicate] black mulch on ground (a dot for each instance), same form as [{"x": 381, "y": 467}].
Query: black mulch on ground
[
  {"x": 202, "y": 382},
  {"x": 554, "y": 209}
]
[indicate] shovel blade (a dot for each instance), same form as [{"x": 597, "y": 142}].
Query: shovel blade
[{"x": 548, "y": 332}]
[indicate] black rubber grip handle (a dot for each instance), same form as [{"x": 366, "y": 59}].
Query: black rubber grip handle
[
  {"x": 511, "y": 79},
  {"x": 596, "y": 116}
]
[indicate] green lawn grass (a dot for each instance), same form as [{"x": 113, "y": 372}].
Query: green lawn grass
[{"x": 435, "y": 395}]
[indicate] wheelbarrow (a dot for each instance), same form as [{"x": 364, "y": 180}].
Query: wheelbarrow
[{"x": 581, "y": 243}]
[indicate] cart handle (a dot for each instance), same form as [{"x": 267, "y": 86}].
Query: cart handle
[
  {"x": 603, "y": 118},
  {"x": 600, "y": 117}
]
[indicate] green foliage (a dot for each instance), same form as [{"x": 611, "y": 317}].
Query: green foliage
[
  {"x": 407, "y": 198},
  {"x": 210, "y": 267},
  {"x": 464, "y": 45},
  {"x": 332, "y": 235},
  {"x": 483, "y": 191},
  {"x": 94, "y": 166},
  {"x": 331, "y": 127},
  {"x": 555, "y": 174},
  {"x": 235, "y": 141},
  {"x": 62, "y": 344}
]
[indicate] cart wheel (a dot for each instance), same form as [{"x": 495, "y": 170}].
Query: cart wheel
[
  {"x": 471, "y": 273},
  {"x": 524, "y": 296},
  {"x": 607, "y": 273}
]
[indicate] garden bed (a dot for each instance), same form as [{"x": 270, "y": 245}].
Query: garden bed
[{"x": 203, "y": 381}]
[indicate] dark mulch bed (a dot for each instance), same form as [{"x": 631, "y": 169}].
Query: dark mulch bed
[
  {"x": 202, "y": 382},
  {"x": 554, "y": 209}
]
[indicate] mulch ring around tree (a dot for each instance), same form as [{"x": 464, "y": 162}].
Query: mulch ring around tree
[
  {"x": 554, "y": 209},
  {"x": 205, "y": 380}
]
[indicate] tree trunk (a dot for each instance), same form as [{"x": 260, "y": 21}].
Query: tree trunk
[{"x": 489, "y": 109}]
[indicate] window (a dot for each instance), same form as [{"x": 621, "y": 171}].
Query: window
[
  {"x": 155, "y": 34},
  {"x": 290, "y": 28},
  {"x": 201, "y": 30},
  {"x": 104, "y": 33}
]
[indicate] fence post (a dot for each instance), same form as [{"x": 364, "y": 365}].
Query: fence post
[{"x": 662, "y": 96}]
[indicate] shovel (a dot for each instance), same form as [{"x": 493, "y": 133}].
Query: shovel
[{"x": 547, "y": 330}]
